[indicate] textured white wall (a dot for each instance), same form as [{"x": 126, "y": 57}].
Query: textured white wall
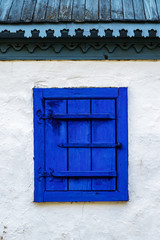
[{"x": 20, "y": 218}]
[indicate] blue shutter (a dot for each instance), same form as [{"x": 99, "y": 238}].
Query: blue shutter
[{"x": 80, "y": 144}]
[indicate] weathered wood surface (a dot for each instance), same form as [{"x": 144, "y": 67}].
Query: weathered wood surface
[
  {"x": 5, "y": 6},
  {"x": 158, "y": 7},
  {"x": 139, "y": 9},
  {"x": 65, "y": 12},
  {"x": 150, "y": 9},
  {"x": 78, "y": 10},
  {"x": 116, "y": 10},
  {"x": 27, "y": 12},
  {"x": 19, "y": 11},
  {"x": 91, "y": 10},
  {"x": 40, "y": 11},
  {"x": 52, "y": 11},
  {"x": 104, "y": 10},
  {"x": 128, "y": 9},
  {"x": 15, "y": 10}
]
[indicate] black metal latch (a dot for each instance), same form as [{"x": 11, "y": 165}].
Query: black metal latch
[
  {"x": 42, "y": 116},
  {"x": 44, "y": 174}
]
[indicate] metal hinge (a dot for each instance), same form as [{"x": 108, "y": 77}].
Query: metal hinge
[
  {"x": 45, "y": 174},
  {"x": 42, "y": 116}
]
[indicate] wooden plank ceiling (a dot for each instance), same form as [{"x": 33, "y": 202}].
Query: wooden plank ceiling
[{"x": 39, "y": 11}]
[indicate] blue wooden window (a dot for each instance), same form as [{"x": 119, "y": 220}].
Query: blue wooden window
[{"x": 81, "y": 144}]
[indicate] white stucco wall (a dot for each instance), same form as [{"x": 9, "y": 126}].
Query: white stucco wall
[{"x": 20, "y": 217}]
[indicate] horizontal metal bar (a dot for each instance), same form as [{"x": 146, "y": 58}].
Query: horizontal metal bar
[
  {"x": 83, "y": 145},
  {"x": 80, "y": 116},
  {"x": 84, "y": 174}
]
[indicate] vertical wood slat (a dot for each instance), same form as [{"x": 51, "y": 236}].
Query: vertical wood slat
[
  {"x": 128, "y": 9},
  {"x": 150, "y": 9},
  {"x": 122, "y": 154},
  {"x": 55, "y": 133},
  {"x": 28, "y": 11},
  {"x": 16, "y": 11},
  {"x": 39, "y": 146},
  {"x": 103, "y": 131},
  {"x": 105, "y": 10},
  {"x": 40, "y": 10},
  {"x": 78, "y": 10},
  {"x": 116, "y": 9},
  {"x": 79, "y": 159},
  {"x": 52, "y": 11},
  {"x": 5, "y": 6},
  {"x": 65, "y": 12},
  {"x": 91, "y": 10}
]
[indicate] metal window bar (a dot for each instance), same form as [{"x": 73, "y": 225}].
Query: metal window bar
[{"x": 90, "y": 145}]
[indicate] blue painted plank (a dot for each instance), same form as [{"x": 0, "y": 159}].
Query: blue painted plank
[
  {"x": 139, "y": 9},
  {"x": 128, "y": 9},
  {"x": 103, "y": 159},
  {"x": 105, "y": 10},
  {"x": 80, "y": 93},
  {"x": 158, "y": 7},
  {"x": 52, "y": 11},
  {"x": 28, "y": 11},
  {"x": 78, "y": 10},
  {"x": 84, "y": 196},
  {"x": 122, "y": 154},
  {"x": 79, "y": 159},
  {"x": 65, "y": 12},
  {"x": 116, "y": 10},
  {"x": 15, "y": 11},
  {"x": 55, "y": 133},
  {"x": 40, "y": 10},
  {"x": 150, "y": 9},
  {"x": 5, "y": 6},
  {"x": 38, "y": 146},
  {"x": 91, "y": 10}
]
